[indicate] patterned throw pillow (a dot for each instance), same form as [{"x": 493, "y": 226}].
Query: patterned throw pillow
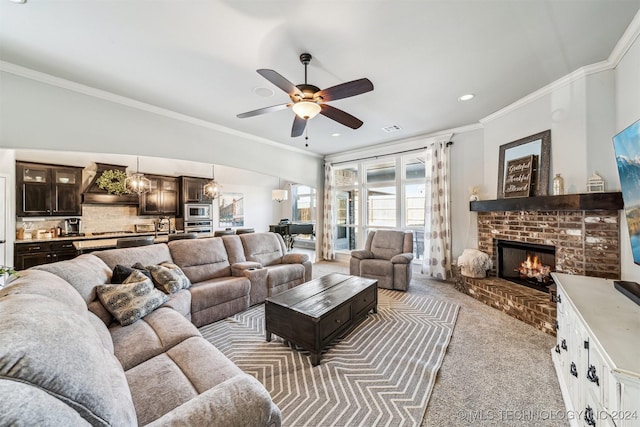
[
  {"x": 132, "y": 300},
  {"x": 186, "y": 283},
  {"x": 168, "y": 277}
]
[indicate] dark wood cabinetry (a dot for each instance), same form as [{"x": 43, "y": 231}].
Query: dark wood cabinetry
[
  {"x": 37, "y": 253},
  {"x": 163, "y": 198},
  {"x": 193, "y": 190},
  {"x": 47, "y": 190}
]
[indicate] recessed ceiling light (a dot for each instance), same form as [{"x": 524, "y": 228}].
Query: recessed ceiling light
[
  {"x": 467, "y": 97},
  {"x": 18, "y": 1},
  {"x": 265, "y": 92},
  {"x": 335, "y": 134}
]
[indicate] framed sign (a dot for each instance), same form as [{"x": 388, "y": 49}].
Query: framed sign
[
  {"x": 519, "y": 177},
  {"x": 538, "y": 145}
]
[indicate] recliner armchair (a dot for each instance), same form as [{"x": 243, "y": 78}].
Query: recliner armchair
[{"x": 386, "y": 257}]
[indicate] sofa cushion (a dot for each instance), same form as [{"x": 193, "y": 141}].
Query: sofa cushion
[
  {"x": 153, "y": 335},
  {"x": 131, "y": 300},
  {"x": 24, "y": 406},
  {"x": 146, "y": 255},
  {"x": 265, "y": 248},
  {"x": 47, "y": 346},
  {"x": 170, "y": 379},
  {"x": 180, "y": 302},
  {"x": 84, "y": 273},
  {"x": 49, "y": 285},
  {"x": 217, "y": 291},
  {"x": 168, "y": 277},
  {"x": 378, "y": 269},
  {"x": 201, "y": 259},
  {"x": 284, "y": 273}
]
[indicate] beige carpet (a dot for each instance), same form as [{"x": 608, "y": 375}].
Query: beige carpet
[
  {"x": 379, "y": 374},
  {"x": 497, "y": 370}
]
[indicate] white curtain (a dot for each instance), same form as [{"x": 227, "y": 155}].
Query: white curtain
[
  {"x": 328, "y": 252},
  {"x": 437, "y": 235}
]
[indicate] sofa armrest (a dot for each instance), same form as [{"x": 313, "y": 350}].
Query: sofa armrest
[
  {"x": 238, "y": 269},
  {"x": 238, "y": 401},
  {"x": 362, "y": 254},
  {"x": 405, "y": 258},
  {"x": 295, "y": 258}
]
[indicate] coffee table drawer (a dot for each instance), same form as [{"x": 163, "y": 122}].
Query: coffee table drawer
[
  {"x": 365, "y": 301},
  {"x": 335, "y": 320}
]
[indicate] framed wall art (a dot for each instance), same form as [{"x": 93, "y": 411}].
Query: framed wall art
[{"x": 539, "y": 147}]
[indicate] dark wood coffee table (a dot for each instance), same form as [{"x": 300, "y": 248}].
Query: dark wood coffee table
[{"x": 311, "y": 315}]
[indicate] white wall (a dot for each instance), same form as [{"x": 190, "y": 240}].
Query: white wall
[
  {"x": 627, "y": 107},
  {"x": 467, "y": 170}
]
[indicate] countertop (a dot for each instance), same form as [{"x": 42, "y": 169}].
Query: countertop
[{"x": 99, "y": 241}]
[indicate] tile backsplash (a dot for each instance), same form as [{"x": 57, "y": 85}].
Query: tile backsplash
[{"x": 98, "y": 218}]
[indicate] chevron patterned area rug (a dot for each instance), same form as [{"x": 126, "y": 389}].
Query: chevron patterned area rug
[{"x": 380, "y": 374}]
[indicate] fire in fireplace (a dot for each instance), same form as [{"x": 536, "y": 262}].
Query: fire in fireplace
[{"x": 526, "y": 263}]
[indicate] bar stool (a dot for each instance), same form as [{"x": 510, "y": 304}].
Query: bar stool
[
  {"x": 245, "y": 230},
  {"x": 130, "y": 242},
  {"x": 180, "y": 236},
  {"x": 225, "y": 232}
]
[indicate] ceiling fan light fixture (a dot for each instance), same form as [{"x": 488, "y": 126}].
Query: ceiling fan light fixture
[{"x": 306, "y": 109}]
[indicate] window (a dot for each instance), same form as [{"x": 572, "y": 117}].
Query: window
[
  {"x": 393, "y": 196},
  {"x": 303, "y": 203}
]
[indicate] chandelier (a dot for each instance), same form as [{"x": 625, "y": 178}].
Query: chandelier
[
  {"x": 279, "y": 195},
  {"x": 137, "y": 183},
  {"x": 212, "y": 189}
]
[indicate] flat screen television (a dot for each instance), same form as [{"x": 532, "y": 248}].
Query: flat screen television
[{"x": 627, "y": 148}]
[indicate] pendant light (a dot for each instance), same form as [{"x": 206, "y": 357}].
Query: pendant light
[
  {"x": 212, "y": 189},
  {"x": 136, "y": 183},
  {"x": 279, "y": 195}
]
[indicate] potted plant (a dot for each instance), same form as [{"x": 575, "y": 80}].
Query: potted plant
[{"x": 7, "y": 274}]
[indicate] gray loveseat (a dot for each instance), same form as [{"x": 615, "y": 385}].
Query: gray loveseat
[{"x": 64, "y": 360}]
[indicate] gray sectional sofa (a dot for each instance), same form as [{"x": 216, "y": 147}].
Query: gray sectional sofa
[{"x": 65, "y": 360}]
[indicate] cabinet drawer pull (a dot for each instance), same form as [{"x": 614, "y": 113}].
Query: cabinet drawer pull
[
  {"x": 556, "y": 325},
  {"x": 573, "y": 370},
  {"x": 591, "y": 375},
  {"x": 34, "y": 248},
  {"x": 337, "y": 320},
  {"x": 558, "y": 299},
  {"x": 564, "y": 345},
  {"x": 558, "y": 348},
  {"x": 588, "y": 416}
]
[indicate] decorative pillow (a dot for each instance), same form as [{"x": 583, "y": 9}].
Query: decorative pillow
[
  {"x": 132, "y": 300},
  {"x": 186, "y": 283},
  {"x": 168, "y": 279},
  {"x": 121, "y": 272}
]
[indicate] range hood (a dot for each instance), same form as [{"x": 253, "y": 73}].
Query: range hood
[{"x": 97, "y": 196}]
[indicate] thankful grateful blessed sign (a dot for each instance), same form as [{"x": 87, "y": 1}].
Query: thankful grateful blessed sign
[{"x": 519, "y": 175}]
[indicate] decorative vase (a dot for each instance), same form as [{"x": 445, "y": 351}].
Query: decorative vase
[{"x": 558, "y": 185}]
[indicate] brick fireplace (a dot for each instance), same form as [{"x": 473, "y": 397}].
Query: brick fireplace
[{"x": 582, "y": 229}]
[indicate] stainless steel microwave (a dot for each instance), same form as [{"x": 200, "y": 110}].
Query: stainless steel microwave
[{"x": 198, "y": 211}]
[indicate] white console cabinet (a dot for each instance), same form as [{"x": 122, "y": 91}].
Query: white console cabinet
[{"x": 597, "y": 356}]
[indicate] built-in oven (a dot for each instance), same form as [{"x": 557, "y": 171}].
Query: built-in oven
[
  {"x": 198, "y": 212},
  {"x": 204, "y": 226}
]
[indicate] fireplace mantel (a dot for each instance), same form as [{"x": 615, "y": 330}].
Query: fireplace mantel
[{"x": 567, "y": 202}]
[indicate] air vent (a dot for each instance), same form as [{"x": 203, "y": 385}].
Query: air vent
[{"x": 392, "y": 128}]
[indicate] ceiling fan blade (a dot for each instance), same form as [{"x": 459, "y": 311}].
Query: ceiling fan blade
[
  {"x": 345, "y": 90},
  {"x": 264, "y": 110},
  {"x": 298, "y": 126},
  {"x": 340, "y": 116},
  {"x": 280, "y": 81}
]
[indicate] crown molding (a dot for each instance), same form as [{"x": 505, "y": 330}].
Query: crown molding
[
  {"x": 622, "y": 46},
  {"x": 48, "y": 79}
]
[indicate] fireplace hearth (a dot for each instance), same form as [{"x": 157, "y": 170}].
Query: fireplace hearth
[{"x": 525, "y": 263}]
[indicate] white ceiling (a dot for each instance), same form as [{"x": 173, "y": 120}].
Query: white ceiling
[{"x": 199, "y": 58}]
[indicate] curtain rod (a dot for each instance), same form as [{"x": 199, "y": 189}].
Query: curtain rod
[{"x": 385, "y": 155}]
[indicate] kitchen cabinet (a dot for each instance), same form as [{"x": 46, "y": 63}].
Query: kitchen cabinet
[
  {"x": 192, "y": 190},
  {"x": 37, "y": 253},
  {"x": 163, "y": 198},
  {"x": 596, "y": 356},
  {"x": 48, "y": 190}
]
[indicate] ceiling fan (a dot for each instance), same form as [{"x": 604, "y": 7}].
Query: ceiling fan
[{"x": 308, "y": 100}]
